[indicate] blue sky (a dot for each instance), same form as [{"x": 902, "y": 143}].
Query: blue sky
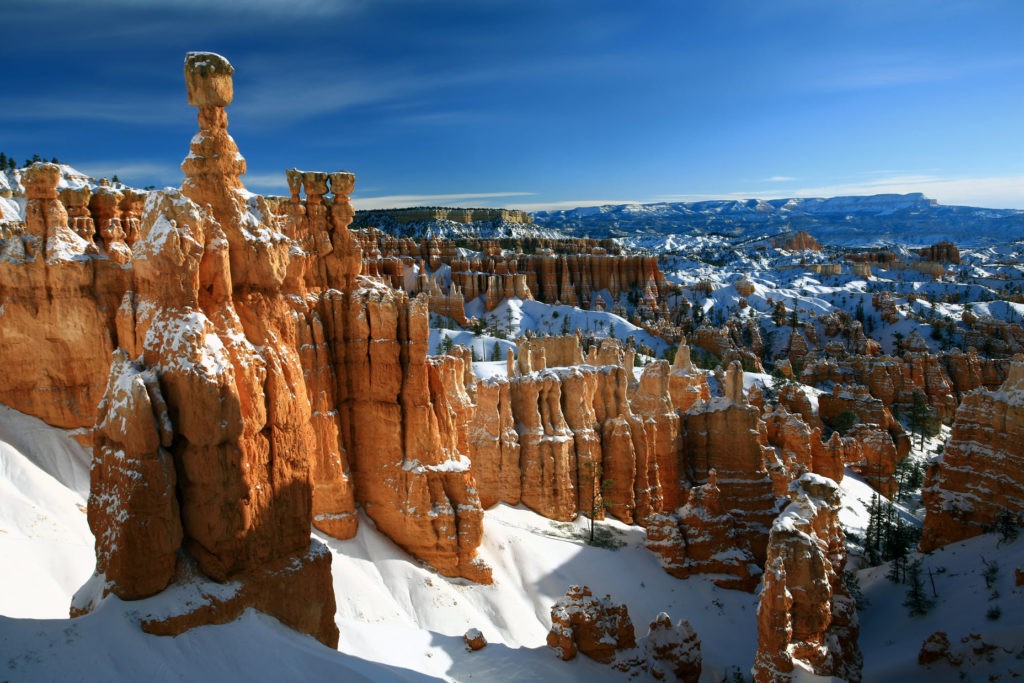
[{"x": 539, "y": 103}]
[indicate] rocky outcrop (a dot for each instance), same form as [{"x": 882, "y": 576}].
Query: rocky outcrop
[
  {"x": 936, "y": 648},
  {"x": 652, "y": 403},
  {"x": 800, "y": 240},
  {"x": 799, "y": 449},
  {"x": 805, "y": 613},
  {"x": 686, "y": 384},
  {"x": 296, "y": 590},
  {"x": 893, "y": 381},
  {"x": 941, "y": 252},
  {"x": 494, "y": 444},
  {"x": 978, "y": 475},
  {"x": 875, "y": 442},
  {"x": 60, "y": 297},
  {"x": 596, "y": 627},
  {"x": 571, "y": 271},
  {"x": 672, "y": 653},
  {"x": 702, "y": 538},
  {"x": 581, "y": 446},
  {"x": 133, "y": 508},
  {"x": 731, "y": 439},
  {"x": 237, "y": 416}
]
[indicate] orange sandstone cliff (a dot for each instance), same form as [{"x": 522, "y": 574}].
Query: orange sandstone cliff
[{"x": 978, "y": 477}]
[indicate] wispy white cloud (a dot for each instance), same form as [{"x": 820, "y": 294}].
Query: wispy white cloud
[
  {"x": 886, "y": 70},
  {"x": 266, "y": 182},
  {"x": 779, "y": 179},
  {"x": 398, "y": 201}
]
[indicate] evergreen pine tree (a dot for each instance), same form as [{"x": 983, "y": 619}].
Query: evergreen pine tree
[{"x": 916, "y": 601}]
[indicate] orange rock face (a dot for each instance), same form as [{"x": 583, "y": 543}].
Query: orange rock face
[
  {"x": 58, "y": 313},
  {"x": 652, "y": 402},
  {"x": 237, "y": 411},
  {"x": 133, "y": 508},
  {"x": 297, "y": 590},
  {"x": 875, "y": 443},
  {"x": 593, "y": 626},
  {"x": 943, "y": 252},
  {"x": 731, "y": 439},
  {"x": 893, "y": 381},
  {"x": 686, "y": 384},
  {"x": 805, "y": 612},
  {"x": 800, "y": 240},
  {"x": 979, "y": 474},
  {"x": 702, "y": 538},
  {"x": 799, "y": 449}
]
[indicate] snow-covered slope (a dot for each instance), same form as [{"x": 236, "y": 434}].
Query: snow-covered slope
[{"x": 402, "y": 622}]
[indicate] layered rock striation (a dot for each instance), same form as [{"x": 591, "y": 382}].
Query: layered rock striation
[{"x": 977, "y": 478}]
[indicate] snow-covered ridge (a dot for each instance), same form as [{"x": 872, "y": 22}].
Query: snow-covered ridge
[{"x": 852, "y": 220}]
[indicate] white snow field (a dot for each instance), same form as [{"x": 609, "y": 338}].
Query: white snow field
[{"x": 401, "y": 622}]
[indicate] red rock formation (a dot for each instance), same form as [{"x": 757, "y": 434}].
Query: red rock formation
[
  {"x": 800, "y": 240},
  {"x": 672, "y": 652},
  {"x": 133, "y": 509},
  {"x": 546, "y": 455},
  {"x": 886, "y": 307},
  {"x": 474, "y": 639},
  {"x": 793, "y": 397},
  {"x": 731, "y": 439},
  {"x": 893, "y": 381},
  {"x": 805, "y": 613},
  {"x": 702, "y": 538},
  {"x": 798, "y": 348},
  {"x": 561, "y": 351},
  {"x": 942, "y": 252},
  {"x": 798, "y": 444},
  {"x": 295, "y": 589},
  {"x": 494, "y": 444},
  {"x": 996, "y": 337},
  {"x": 401, "y": 417},
  {"x": 596, "y": 627},
  {"x": 686, "y": 384},
  {"x": 58, "y": 312},
  {"x": 978, "y": 475},
  {"x": 935, "y": 648},
  {"x": 653, "y": 404}
]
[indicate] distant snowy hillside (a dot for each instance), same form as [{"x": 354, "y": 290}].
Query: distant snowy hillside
[
  {"x": 863, "y": 220},
  {"x": 453, "y": 230}
]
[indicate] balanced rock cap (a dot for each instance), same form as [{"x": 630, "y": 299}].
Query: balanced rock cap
[{"x": 208, "y": 79}]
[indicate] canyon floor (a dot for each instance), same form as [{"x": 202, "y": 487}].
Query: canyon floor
[{"x": 400, "y": 621}]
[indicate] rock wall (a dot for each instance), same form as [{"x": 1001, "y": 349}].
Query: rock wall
[
  {"x": 805, "y": 613},
  {"x": 979, "y": 474},
  {"x": 731, "y": 439},
  {"x": 265, "y": 386},
  {"x": 570, "y": 272},
  {"x": 891, "y": 380}
]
